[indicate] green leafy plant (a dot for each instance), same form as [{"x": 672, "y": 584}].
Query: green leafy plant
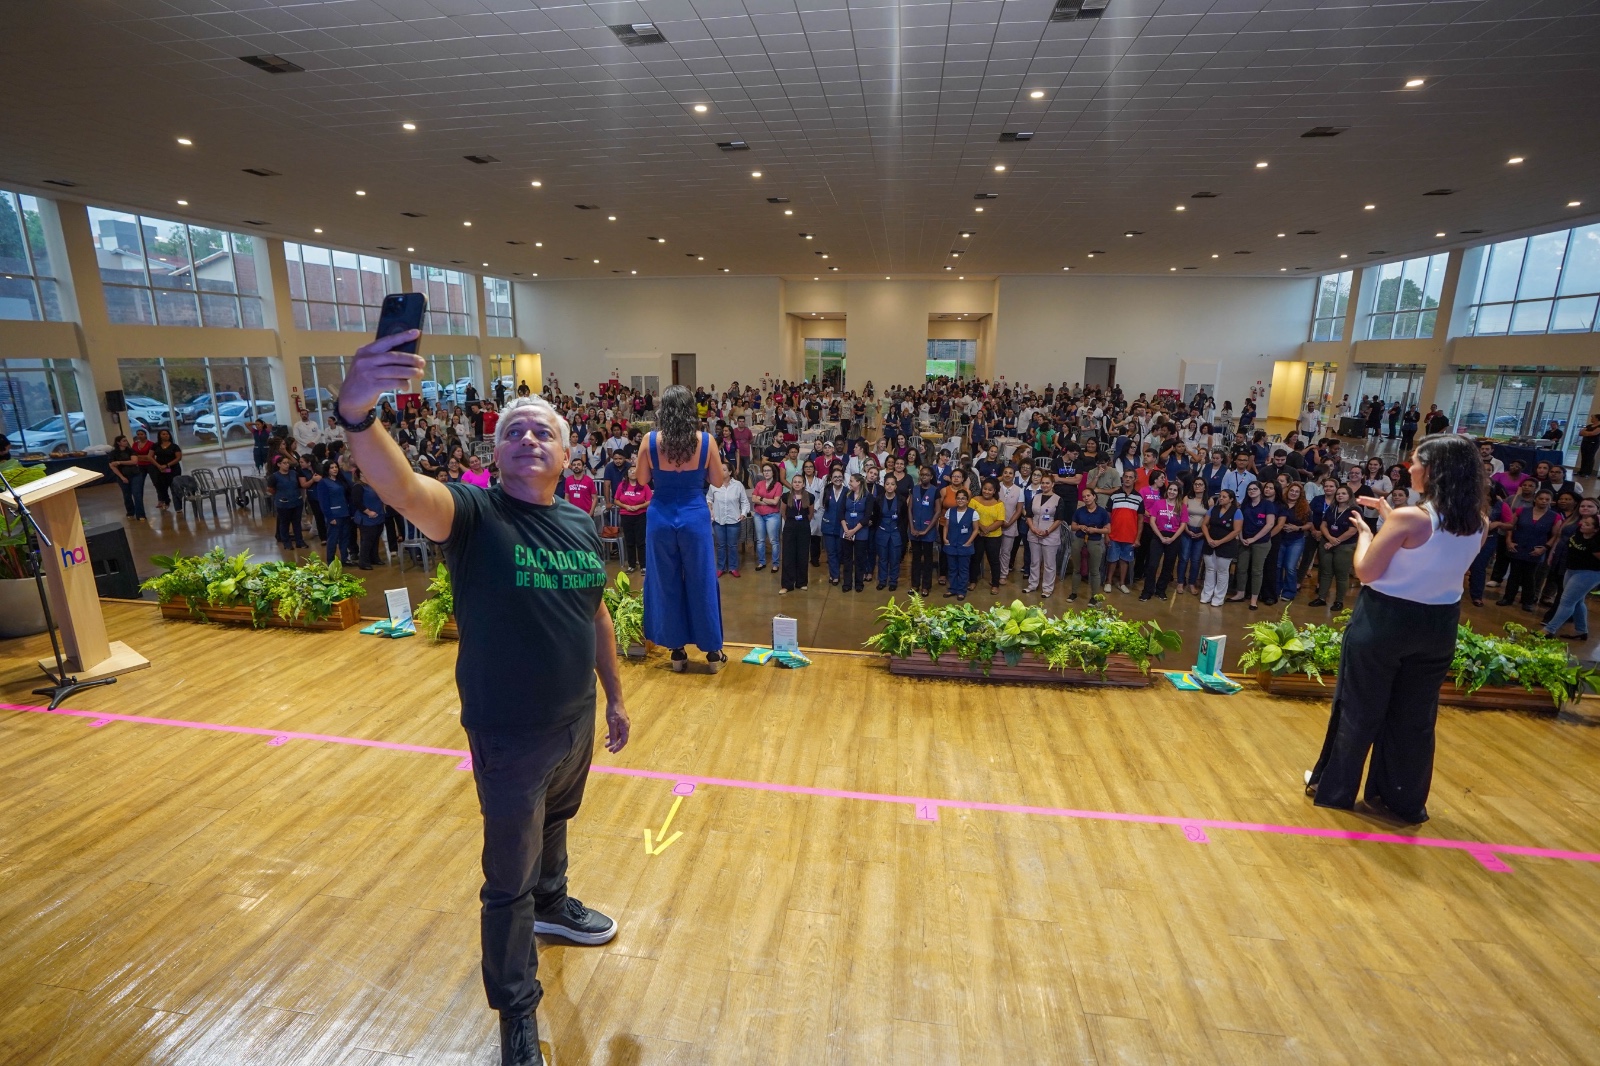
[
  {"x": 627, "y": 611},
  {"x": 1077, "y": 640},
  {"x": 295, "y": 592},
  {"x": 13, "y": 536},
  {"x": 1521, "y": 657},
  {"x": 1279, "y": 648},
  {"x": 440, "y": 606}
]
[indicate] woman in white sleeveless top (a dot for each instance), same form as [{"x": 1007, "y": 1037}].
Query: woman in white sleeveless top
[{"x": 1402, "y": 636}]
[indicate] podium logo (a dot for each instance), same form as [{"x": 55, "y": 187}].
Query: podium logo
[{"x": 73, "y": 556}]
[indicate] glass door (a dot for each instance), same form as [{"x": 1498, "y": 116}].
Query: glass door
[
  {"x": 825, "y": 361},
  {"x": 1473, "y": 401},
  {"x": 1513, "y": 408},
  {"x": 1557, "y": 393}
]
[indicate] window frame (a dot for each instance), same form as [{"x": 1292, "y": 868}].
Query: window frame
[
  {"x": 1406, "y": 323},
  {"x": 248, "y": 309},
  {"x": 44, "y": 286},
  {"x": 491, "y": 321},
  {"x": 1344, "y": 280},
  {"x": 1501, "y": 317},
  {"x": 331, "y": 314}
]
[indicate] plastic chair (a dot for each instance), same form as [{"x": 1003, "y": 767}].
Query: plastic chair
[
  {"x": 415, "y": 541},
  {"x": 186, "y": 486},
  {"x": 611, "y": 519},
  {"x": 206, "y": 487}
]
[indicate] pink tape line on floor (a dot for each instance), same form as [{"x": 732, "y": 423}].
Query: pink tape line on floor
[{"x": 923, "y": 804}]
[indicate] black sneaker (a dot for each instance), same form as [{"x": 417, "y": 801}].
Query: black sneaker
[
  {"x": 1318, "y": 602},
  {"x": 519, "y": 1041},
  {"x": 575, "y": 922}
]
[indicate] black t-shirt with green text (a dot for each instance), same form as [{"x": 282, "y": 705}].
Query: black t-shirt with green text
[{"x": 527, "y": 582}]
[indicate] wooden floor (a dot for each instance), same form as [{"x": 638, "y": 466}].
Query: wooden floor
[{"x": 174, "y": 895}]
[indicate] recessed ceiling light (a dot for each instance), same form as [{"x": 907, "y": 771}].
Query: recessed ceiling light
[
  {"x": 724, "y": 270},
  {"x": 466, "y": 223},
  {"x": 486, "y": 264},
  {"x": 631, "y": 271},
  {"x": 1283, "y": 234},
  {"x": 816, "y": 279},
  {"x": 808, "y": 236},
  {"x": 408, "y": 249},
  {"x": 1261, "y": 166},
  {"x": 536, "y": 184},
  {"x": 755, "y": 173},
  {"x": 183, "y": 203},
  {"x": 1214, "y": 255},
  {"x": 1414, "y": 83},
  {"x": 1281, "y": 269},
  {"x": 823, "y": 254},
  {"x": 535, "y": 274},
  {"x": 538, "y": 244},
  {"x": 317, "y": 230},
  {"x": 700, "y": 258},
  {"x": 1344, "y": 255},
  {"x": 887, "y": 278},
  {"x": 361, "y": 192},
  {"x": 788, "y": 211},
  {"x": 1066, "y": 268},
  {"x": 1514, "y": 160},
  {"x": 955, "y": 255},
  {"x": 1574, "y": 203},
  {"x": 611, "y": 218},
  {"x": 978, "y": 209},
  {"x": 1439, "y": 234},
  {"x": 1037, "y": 94},
  {"x": 597, "y": 260},
  {"x": 947, "y": 267},
  {"x": 1172, "y": 268},
  {"x": 186, "y": 142},
  {"x": 1370, "y": 207},
  {"x": 408, "y": 125},
  {"x": 700, "y": 108},
  {"x": 1180, "y": 207},
  {"x": 998, "y": 167},
  {"x": 963, "y": 277},
  {"x": 1091, "y": 255}
]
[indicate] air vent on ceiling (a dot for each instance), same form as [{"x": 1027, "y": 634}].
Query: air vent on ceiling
[
  {"x": 458, "y": 260},
  {"x": 777, "y": 199},
  {"x": 516, "y": 242},
  {"x": 733, "y": 146},
  {"x": 1133, "y": 233},
  {"x": 823, "y": 254},
  {"x": 481, "y": 159},
  {"x": 1068, "y": 10},
  {"x": 1016, "y": 135},
  {"x": 1302, "y": 268},
  {"x": 986, "y": 196},
  {"x": 413, "y": 214},
  {"x": 386, "y": 247},
  {"x": 1203, "y": 195},
  {"x": 1241, "y": 253},
  {"x": 636, "y": 33},
  {"x": 1191, "y": 268},
  {"x": 1380, "y": 251},
  {"x": 1324, "y": 131},
  {"x": 273, "y": 64},
  {"x": 1307, "y": 232},
  {"x": 1469, "y": 232},
  {"x": 691, "y": 255},
  {"x": 570, "y": 258},
  {"x": 587, "y": 207},
  {"x": 1441, "y": 192},
  {"x": 255, "y": 222},
  {"x": 61, "y": 182},
  {"x": 262, "y": 172},
  {"x": 656, "y": 240}
]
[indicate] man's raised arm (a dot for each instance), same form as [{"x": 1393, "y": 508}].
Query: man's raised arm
[{"x": 425, "y": 502}]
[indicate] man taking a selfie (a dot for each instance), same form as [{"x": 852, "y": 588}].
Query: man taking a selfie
[{"x": 527, "y": 577}]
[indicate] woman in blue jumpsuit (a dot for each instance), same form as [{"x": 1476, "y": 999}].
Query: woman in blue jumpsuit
[{"x": 682, "y": 604}]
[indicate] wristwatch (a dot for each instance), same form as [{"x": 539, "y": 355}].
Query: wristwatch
[{"x": 355, "y": 427}]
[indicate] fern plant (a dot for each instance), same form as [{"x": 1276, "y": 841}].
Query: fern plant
[
  {"x": 627, "y": 611},
  {"x": 440, "y": 606},
  {"x": 304, "y": 592},
  {"x": 1279, "y": 648}
]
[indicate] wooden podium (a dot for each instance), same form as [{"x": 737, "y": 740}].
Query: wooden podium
[{"x": 69, "y": 577}]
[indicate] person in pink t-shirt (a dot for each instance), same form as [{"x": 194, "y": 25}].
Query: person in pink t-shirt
[
  {"x": 475, "y": 474},
  {"x": 579, "y": 487}
]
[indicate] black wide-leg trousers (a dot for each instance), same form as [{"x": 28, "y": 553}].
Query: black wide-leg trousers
[{"x": 1395, "y": 657}]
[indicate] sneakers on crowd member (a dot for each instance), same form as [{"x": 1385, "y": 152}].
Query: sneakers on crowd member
[
  {"x": 1107, "y": 587},
  {"x": 571, "y": 920},
  {"x": 1124, "y": 589},
  {"x": 519, "y": 1041}
]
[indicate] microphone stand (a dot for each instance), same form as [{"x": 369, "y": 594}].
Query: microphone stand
[{"x": 62, "y": 683}]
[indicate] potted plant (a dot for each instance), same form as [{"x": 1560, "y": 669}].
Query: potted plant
[
  {"x": 1495, "y": 672},
  {"x": 627, "y": 616},
  {"x": 1289, "y": 661},
  {"x": 1096, "y": 646},
  {"x": 21, "y": 613},
  {"x": 436, "y": 615},
  {"x": 215, "y": 587}
]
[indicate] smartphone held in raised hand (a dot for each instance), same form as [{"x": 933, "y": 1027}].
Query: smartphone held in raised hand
[{"x": 402, "y": 311}]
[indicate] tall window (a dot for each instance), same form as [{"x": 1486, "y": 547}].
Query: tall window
[
  {"x": 447, "y": 299},
  {"x": 206, "y": 403},
  {"x": 952, "y": 358},
  {"x": 40, "y": 409},
  {"x": 338, "y": 290},
  {"x": 825, "y": 361},
  {"x": 27, "y": 280},
  {"x": 1407, "y": 302},
  {"x": 175, "y": 274},
  {"x": 1544, "y": 284},
  {"x": 448, "y": 378},
  {"x": 1327, "y": 311},
  {"x": 497, "y": 307}
]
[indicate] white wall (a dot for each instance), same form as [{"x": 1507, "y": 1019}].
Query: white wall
[
  {"x": 1047, "y": 326},
  {"x": 734, "y": 326}
]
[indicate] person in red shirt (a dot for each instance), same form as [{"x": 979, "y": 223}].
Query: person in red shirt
[
  {"x": 742, "y": 436},
  {"x": 491, "y": 418},
  {"x": 579, "y": 487},
  {"x": 1125, "y": 506}
]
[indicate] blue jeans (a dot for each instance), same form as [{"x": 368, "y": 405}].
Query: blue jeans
[
  {"x": 1189, "y": 566},
  {"x": 727, "y": 543},
  {"x": 888, "y": 544},
  {"x": 1574, "y": 595},
  {"x": 960, "y": 568},
  {"x": 830, "y": 541},
  {"x": 1289, "y": 553},
  {"x": 768, "y": 526},
  {"x": 133, "y": 494}
]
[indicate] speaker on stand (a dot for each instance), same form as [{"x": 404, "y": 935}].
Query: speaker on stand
[{"x": 116, "y": 404}]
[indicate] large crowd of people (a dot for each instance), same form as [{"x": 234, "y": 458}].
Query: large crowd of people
[{"x": 980, "y": 483}]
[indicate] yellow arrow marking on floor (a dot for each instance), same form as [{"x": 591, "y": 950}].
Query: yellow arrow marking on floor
[{"x": 652, "y": 848}]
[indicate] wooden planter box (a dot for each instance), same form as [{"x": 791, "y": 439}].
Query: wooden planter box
[
  {"x": 1120, "y": 671},
  {"x": 346, "y": 614},
  {"x": 1488, "y": 698}
]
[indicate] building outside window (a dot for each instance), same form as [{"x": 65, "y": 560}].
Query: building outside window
[
  {"x": 1328, "y": 308},
  {"x": 1544, "y": 284},
  {"x": 825, "y": 360},
  {"x": 952, "y": 359},
  {"x": 1406, "y": 303},
  {"x": 27, "y": 278},
  {"x": 448, "y": 311},
  {"x": 157, "y": 272},
  {"x": 333, "y": 290},
  {"x": 498, "y": 316},
  {"x": 40, "y": 407},
  {"x": 207, "y": 403}
]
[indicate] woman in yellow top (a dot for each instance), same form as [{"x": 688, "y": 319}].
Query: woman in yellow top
[{"x": 991, "y": 524}]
